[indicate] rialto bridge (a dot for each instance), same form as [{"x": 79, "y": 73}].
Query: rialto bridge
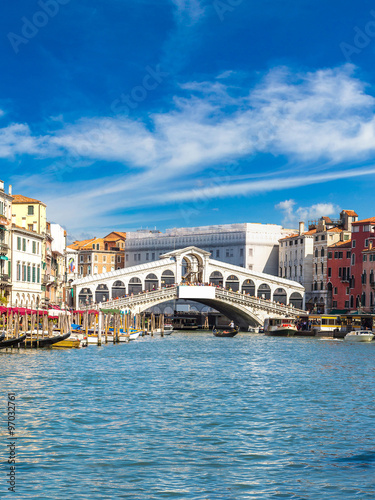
[{"x": 242, "y": 295}]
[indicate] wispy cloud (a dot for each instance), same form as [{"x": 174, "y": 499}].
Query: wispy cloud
[
  {"x": 293, "y": 214},
  {"x": 323, "y": 119}
]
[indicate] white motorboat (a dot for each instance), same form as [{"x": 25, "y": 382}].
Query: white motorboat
[
  {"x": 359, "y": 336},
  {"x": 280, "y": 327}
]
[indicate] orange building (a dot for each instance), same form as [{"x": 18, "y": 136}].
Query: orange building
[{"x": 100, "y": 255}]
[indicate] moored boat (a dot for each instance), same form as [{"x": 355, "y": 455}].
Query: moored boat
[
  {"x": 12, "y": 342},
  {"x": 34, "y": 342},
  {"x": 359, "y": 336}
]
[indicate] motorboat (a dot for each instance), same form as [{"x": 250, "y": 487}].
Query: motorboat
[
  {"x": 359, "y": 336},
  {"x": 280, "y": 327}
]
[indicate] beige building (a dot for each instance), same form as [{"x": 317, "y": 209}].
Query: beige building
[
  {"x": 100, "y": 255},
  {"x": 29, "y": 213}
]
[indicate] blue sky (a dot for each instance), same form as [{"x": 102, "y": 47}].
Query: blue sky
[{"x": 126, "y": 114}]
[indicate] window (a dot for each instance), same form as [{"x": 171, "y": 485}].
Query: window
[
  {"x": 24, "y": 272},
  {"x": 241, "y": 252},
  {"x": 322, "y": 267},
  {"x": 366, "y": 228},
  {"x": 366, "y": 243},
  {"x": 2, "y": 208},
  {"x": 353, "y": 243},
  {"x": 34, "y": 247},
  {"x": 30, "y": 210},
  {"x": 95, "y": 258},
  {"x": 330, "y": 272},
  {"x": 347, "y": 304},
  {"x": 364, "y": 258},
  {"x": 321, "y": 285},
  {"x": 95, "y": 269},
  {"x": 119, "y": 258},
  {"x": 353, "y": 259},
  {"x": 153, "y": 256},
  {"x": 38, "y": 274},
  {"x": 29, "y": 273},
  {"x": 81, "y": 270},
  {"x": 334, "y": 303},
  {"x": 322, "y": 252},
  {"x": 348, "y": 255},
  {"x": 18, "y": 271},
  {"x": 104, "y": 258},
  {"x": 24, "y": 244},
  {"x": 34, "y": 274},
  {"x": 347, "y": 290},
  {"x": 217, "y": 253},
  {"x": 330, "y": 255},
  {"x": 93, "y": 246},
  {"x": 97, "y": 246},
  {"x": 81, "y": 258},
  {"x": 127, "y": 257},
  {"x": 30, "y": 227},
  {"x": 316, "y": 252},
  {"x": 104, "y": 269},
  {"x": 322, "y": 237},
  {"x": 340, "y": 272},
  {"x": 355, "y": 229},
  {"x": 250, "y": 252},
  {"x": 147, "y": 256},
  {"x": 340, "y": 255},
  {"x": 18, "y": 243}
]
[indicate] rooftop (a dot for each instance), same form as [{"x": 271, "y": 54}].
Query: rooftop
[{"x": 20, "y": 199}]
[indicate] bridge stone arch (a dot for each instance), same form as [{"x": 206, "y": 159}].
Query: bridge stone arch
[
  {"x": 201, "y": 267},
  {"x": 264, "y": 291},
  {"x": 102, "y": 293},
  {"x": 280, "y": 295},
  {"x": 248, "y": 287},
  {"x": 296, "y": 300},
  {"x": 167, "y": 278},
  {"x": 151, "y": 282},
  {"x": 135, "y": 285},
  {"x": 216, "y": 278},
  {"x": 118, "y": 289},
  {"x": 232, "y": 283}
]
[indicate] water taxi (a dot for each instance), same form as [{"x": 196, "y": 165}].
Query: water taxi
[
  {"x": 359, "y": 336},
  {"x": 280, "y": 327}
]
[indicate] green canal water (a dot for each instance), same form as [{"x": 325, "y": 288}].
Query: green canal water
[{"x": 191, "y": 416}]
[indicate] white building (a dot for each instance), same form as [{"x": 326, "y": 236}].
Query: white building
[
  {"x": 296, "y": 257},
  {"x": 249, "y": 245},
  {"x": 5, "y": 255},
  {"x": 26, "y": 267}
]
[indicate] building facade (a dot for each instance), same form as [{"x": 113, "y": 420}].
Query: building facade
[
  {"x": 296, "y": 257},
  {"x": 26, "y": 268},
  {"x": 100, "y": 255},
  {"x": 249, "y": 245},
  {"x": 5, "y": 244},
  {"x": 363, "y": 235},
  {"x": 338, "y": 276}
]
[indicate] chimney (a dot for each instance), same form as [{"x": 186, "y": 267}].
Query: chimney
[
  {"x": 10, "y": 190},
  {"x": 301, "y": 227}
]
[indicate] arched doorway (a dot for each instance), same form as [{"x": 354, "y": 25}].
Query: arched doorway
[
  {"x": 232, "y": 283},
  {"x": 296, "y": 300},
  {"x": 167, "y": 278},
  {"x": 85, "y": 297},
  {"x": 216, "y": 278},
  {"x": 118, "y": 289},
  {"x": 279, "y": 295},
  {"x": 248, "y": 287},
  {"x": 101, "y": 293},
  {"x": 264, "y": 291},
  {"x": 151, "y": 282},
  {"x": 135, "y": 285}
]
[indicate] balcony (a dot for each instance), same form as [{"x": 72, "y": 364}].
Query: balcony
[
  {"x": 5, "y": 279},
  {"x": 4, "y": 247}
]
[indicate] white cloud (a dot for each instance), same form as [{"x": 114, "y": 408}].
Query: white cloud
[
  {"x": 320, "y": 119},
  {"x": 292, "y": 215}
]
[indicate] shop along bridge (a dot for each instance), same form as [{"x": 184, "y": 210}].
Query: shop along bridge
[{"x": 245, "y": 296}]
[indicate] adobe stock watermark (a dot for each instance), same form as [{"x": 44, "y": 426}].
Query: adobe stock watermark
[
  {"x": 128, "y": 102},
  {"x": 120, "y": 107},
  {"x": 223, "y": 6},
  {"x": 201, "y": 197},
  {"x": 362, "y": 39},
  {"x": 31, "y": 27}
]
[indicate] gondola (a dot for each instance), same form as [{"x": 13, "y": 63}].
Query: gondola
[
  {"x": 226, "y": 333},
  {"x": 43, "y": 342},
  {"x": 12, "y": 342}
]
